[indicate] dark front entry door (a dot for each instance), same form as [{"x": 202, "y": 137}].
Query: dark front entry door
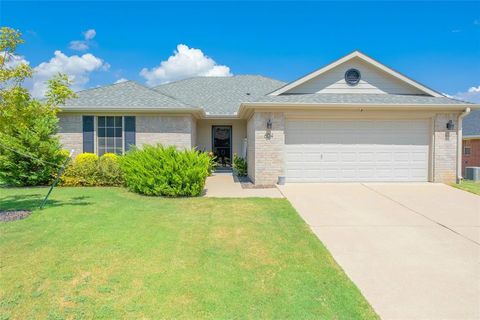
[{"x": 222, "y": 144}]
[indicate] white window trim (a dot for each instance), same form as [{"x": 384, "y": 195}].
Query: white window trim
[{"x": 469, "y": 150}]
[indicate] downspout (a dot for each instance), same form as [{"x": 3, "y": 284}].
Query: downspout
[{"x": 460, "y": 144}]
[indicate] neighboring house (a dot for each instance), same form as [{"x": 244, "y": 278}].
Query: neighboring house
[
  {"x": 471, "y": 140},
  {"x": 352, "y": 120}
]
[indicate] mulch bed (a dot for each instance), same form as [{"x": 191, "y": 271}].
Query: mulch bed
[
  {"x": 247, "y": 184},
  {"x": 12, "y": 215}
]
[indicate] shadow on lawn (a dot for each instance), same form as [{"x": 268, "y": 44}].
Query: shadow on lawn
[{"x": 32, "y": 202}]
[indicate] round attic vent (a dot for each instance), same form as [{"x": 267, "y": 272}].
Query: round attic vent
[{"x": 352, "y": 77}]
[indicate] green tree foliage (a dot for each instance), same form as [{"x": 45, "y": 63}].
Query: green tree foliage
[
  {"x": 30, "y": 152},
  {"x": 165, "y": 171}
]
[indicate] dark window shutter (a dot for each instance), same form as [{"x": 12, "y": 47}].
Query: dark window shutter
[
  {"x": 129, "y": 132},
  {"x": 88, "y": 134}
]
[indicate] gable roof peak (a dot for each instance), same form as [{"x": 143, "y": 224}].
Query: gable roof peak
[{"x": 365, "y": 58}]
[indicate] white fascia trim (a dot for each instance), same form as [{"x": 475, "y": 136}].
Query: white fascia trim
[
  {"x": 364, "y": 57},
  {"x": 244, "y": 107},
  {"x": 197, "y": 111},
  {"x": 215, "y": 116}
]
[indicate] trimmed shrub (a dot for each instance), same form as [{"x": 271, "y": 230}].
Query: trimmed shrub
[
  {"x": 239, "y": 165},
  {"x": 89, "y": 170},
  {"x": 109, "y": 172},
  {"x": 82, "y": 171},
  {"x": 165, "y": 171}
]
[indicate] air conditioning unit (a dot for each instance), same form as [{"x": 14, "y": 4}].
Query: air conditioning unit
[{"x": 472, "y": 173}]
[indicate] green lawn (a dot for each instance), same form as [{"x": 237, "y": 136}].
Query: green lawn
[
  {"x": 470, "y": 186},
  {"x": 107, "y": 253}
]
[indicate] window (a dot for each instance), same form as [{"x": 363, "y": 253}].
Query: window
[
  {"x": 110, "y": 135},
  {"x": 352, "y": 77},
  {"x": 467, "y": 150}
]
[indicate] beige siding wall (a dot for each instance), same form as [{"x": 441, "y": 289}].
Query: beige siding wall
[
  {"x": 71, "y": 132},
  {"x": 251, "y": 148},
  {"x": 445, "y": 149},
  {"x": 194, "y": 133},
  {"x": 167, "y": 130},
  {"x": 372, "y": 80},
  {"x": 204, "y": 133}
]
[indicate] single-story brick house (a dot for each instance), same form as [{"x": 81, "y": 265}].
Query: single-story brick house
[
  {"x": 471, "y": 140},
  {"x": 352, "y": 120}
]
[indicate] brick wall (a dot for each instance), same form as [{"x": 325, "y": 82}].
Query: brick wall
[
  {"x": 445, "y": 149},
  {"x": 71, "y": 132},
  {"x": 473, "y": 159},
  {"x": 167, "y": 130},
  {"x": 268, "y": 150},
  {"x": 151, "y": 129}
]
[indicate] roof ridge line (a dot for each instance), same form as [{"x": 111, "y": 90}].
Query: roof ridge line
[
  {"x": 153, "y": 92},
  {"x": 106, "y": 85},
  {"x": 217, "y": 77}
]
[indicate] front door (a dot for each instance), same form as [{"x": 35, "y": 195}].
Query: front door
[{"x": 222, "y": 145}]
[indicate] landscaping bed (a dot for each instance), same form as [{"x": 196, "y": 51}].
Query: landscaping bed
[{"x": 12, "y": 215}]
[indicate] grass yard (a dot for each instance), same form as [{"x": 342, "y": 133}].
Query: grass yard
[
  {"x": 107, "y": 253},
  {"x": 470, "y": 186}
]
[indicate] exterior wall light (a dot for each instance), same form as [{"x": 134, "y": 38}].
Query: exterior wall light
[
  {"x": 450, "y": 125},
  {"x": 269, "y": 124}
]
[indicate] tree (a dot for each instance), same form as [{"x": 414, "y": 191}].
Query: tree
[{"x": 30, "y": 151}]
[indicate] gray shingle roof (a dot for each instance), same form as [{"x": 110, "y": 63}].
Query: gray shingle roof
[
  {"x": 128, "y": 95},
  {"x": 223, "y": 96},
  {"x": 471, "y": 124},
  {"x": 220, "y": 95},
  {"x": 335, "y": 98}
]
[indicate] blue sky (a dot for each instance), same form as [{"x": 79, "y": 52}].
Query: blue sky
[{"x": 436, "y": 43}]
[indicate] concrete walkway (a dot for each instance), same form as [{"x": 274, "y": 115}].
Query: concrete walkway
[
  {"x": 412, "y": 249},
  {"x": 224, "y": 185}
]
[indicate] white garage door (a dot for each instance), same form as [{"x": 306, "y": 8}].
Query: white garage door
[{"x": 359, "y": 150}]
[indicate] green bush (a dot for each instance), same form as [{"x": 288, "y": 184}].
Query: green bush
[
  {"x": 109, "y": 172},
  {"x": 239, "y": 165},
  {"x": 212, "y": 164},
  {"x": 165, "y": 171},
  {"x": 89, "y": 170}
]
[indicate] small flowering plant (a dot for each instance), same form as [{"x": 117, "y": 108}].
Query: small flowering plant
[
  {"x": 213, "y": 163},
  {"x": 239, "y": 165}
]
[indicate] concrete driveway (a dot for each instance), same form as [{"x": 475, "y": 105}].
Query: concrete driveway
[{"x": 413, "y": 249}]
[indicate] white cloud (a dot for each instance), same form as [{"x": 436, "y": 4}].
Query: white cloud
[
  {"x": 90, "y": 34},
  {"x": 77, "y": 68},
  {"x": 82, "y": 45},
  {"x": 474, "y": 90},
  {"x": 184, "y": 63},
  {"x": 78, "y": 45},
  {"x": 121, "y": 80},
  {"x": 471, "y": 95},
  {"x": 13, "y": 60}
]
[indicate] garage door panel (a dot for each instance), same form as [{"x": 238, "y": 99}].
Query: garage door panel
[{"x": 363, "y": 150}]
